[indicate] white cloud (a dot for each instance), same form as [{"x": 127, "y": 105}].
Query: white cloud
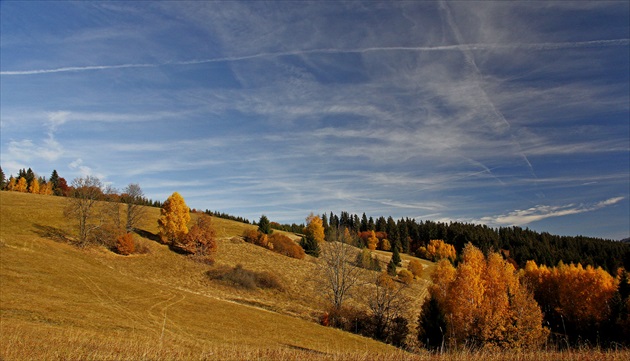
[{"x": 540, "y": 212}]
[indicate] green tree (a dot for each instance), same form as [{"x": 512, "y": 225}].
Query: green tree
[
  {"x": 310, "y": 245},
  {"x": 174, "y": 218},
  {"x": 396, "y": 256},
  {"x": 264, "y": 226},
  {"x": 54, "y": 180},
  {"x": 3, "y": 180}
]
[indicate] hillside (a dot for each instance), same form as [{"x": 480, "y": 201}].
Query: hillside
[{"x": 158, "y": 305}]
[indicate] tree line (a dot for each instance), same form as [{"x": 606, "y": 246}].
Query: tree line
[{"x": 518, "y": 244}]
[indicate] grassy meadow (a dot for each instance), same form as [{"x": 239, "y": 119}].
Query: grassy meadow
[{"x": 61, "y": 302}]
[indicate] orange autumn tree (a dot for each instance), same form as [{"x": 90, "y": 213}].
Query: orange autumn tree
[
  {"x": 314, "y": 228},
  {"x": 174, "y": 218},
  {"x": 576, "y": 299},
  {"x": 481, "y": 303},
  {"x": 436, "y": 250}
]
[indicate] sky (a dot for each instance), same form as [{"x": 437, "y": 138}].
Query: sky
[{"x": 501, "y": 113}]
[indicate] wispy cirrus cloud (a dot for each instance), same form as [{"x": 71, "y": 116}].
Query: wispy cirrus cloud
[{"x": 540, "y": 212}]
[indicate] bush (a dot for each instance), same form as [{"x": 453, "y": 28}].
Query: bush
[
  {"x": 365, "y": 260},
  {"x": 199, "y": 240},
  {"x": 286, "y": 246},
  {"x": 415, "y": 267},
  {"x": 240, "y": 277},
  {"x": 125, "y": 244},
  {"x": 255, "y": 237},
  {"x": 405, "y": 276}
]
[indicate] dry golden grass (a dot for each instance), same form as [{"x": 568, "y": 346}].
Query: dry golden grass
[{"x": 59, "y": 302}]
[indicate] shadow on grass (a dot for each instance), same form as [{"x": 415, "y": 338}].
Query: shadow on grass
[
  {"x": 309, "y": 350},
  {"x": 56, "y": 234},
  {"x": 148, "y": 235}
]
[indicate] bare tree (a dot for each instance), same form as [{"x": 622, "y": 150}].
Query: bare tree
[
  {"x": 86, "y": 192},
  {"x": 340, "y": 274},
  {"x": 387, "y": 304},
  {"x": 132, "y": 197}
]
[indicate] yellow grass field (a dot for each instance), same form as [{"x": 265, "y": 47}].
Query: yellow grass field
[{"x": 61, "y": 302}]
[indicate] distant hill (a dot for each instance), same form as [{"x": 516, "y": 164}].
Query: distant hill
[{"x": 625, "y": 240}]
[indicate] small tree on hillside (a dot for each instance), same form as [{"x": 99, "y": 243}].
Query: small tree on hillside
[
  {"x": 314, "y": 228},
  {"x": 340, "y": 274},
  {"x": 82, "y": 204},
  {"x": 200, "y": 239},
  {"x": 132, "y": 197},
  {"x": 310, "y": 245},
  {"x": 3, "y": 179},
  {"x": 264, "y": 226},
  {"x": 174, "y": 217},
  {"x": 396, "y": 256}
]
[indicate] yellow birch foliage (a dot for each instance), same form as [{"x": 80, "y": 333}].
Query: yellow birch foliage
[
  {"x": 46, "y": 189},
  {"x": 415, "y": 267},
  {"x": 314, "y": 227},
  {"x": 437, "y": 249},
  {"x": 581, "y": 295},
  {"x": 34, "y": 187},
  {"x": 485, "y": 304},
  {"x": 174, "y": 218},
  {"x": 11, "y": 184},
  {"x": 21, "y": 185},
  {"x": 372, "y": 241}
]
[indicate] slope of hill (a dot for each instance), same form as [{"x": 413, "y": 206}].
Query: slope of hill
[{"x": 61, "y": 302}]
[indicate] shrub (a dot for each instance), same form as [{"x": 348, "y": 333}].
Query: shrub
[
  {"x": 125, "y": 244},
  {"x": 286, "y": 246},
  {"x": 200, "y": 239},
  {"x": 405, "y": 276},
  {"x": 255, "y": 237},
  {"x": 415, "y": 267},
  {"x": 240, "y": 277},
  {"x": 365, "y": 260}
]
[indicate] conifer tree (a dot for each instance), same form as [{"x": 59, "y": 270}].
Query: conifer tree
[
  {"x": 310, "y": 245},
  {"x": 264, "y": 226},
  {"x": 54, "y": 181},
  {"x": 396, "y": 255},
  {"x": 3, "y": 180}
]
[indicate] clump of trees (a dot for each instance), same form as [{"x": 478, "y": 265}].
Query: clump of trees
[
  {"x": 437, "y": 250},
  {"x": 273, "y": 241},
  {"x": 581, "y": 303},
  {"x": 481, "y": 303},
  {"x": 198, "y": 241},
  {"x": 247, "y": 279}
]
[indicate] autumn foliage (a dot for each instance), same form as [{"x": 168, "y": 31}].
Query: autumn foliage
[
  {"x": 174, "y": 217},
  {"x": 481, "y": 303},
  {"x": 436, "y": 250},
  {"x": 286, "y": 246},
  {"x": 200, "y": 239},
  {"x": 576, "y": 300},
  {"x": 415, "y": 267},
  {"x": 125, "y": 244}
]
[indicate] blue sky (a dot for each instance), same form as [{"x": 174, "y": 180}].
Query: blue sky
[{"x": 503, "y": 113}]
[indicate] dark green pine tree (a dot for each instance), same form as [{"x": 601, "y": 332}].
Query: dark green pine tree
[
  {"x": 391, "y": 268},
  {"x": 310, "y": 245},
  {"x": 54, "y": 180},
  {"x": 264, "y": 226},
  {"x": 3, "y": 179},
  {"x": 396, "y": 255}
]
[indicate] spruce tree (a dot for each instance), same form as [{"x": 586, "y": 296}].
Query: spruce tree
[
  {"x": 3, "y": 180},
  {"x": 310, "y": 245},
  {"x": 264, "y": 226},
  {"x": 396, "y": 255},
  {"x": 391, "y": 268},
  {"x": 54, "y": 180}
]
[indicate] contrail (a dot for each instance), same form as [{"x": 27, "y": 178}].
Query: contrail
[{"x": 455, "y": 47}]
